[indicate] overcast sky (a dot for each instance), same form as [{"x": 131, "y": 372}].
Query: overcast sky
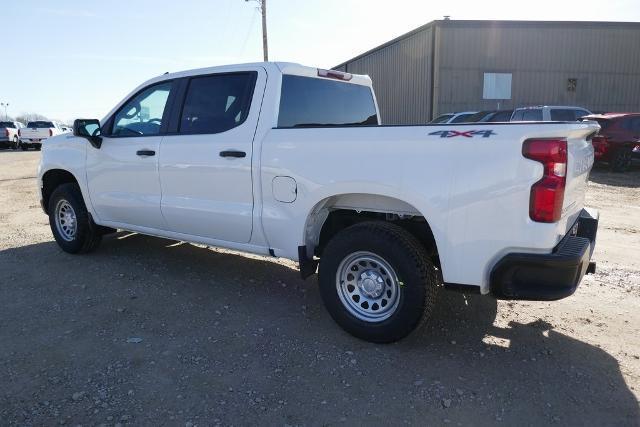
[{"x": 72, "y": 58}]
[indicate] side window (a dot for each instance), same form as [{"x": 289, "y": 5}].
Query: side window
[
  {"x": 562, "y": 115},
  {"x": 217, "y": 103},
  {"x": 533, "y": 115},
  {"x": 316, "y": 102},
  {"x": 635, "y": 125},
  {"x": 142, "y": 115}
]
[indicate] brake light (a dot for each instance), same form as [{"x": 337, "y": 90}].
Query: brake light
[
  {"x": 50, "y": 132},
  {"x": 333, "y": 74},
  {"x": 547, "y": 195}
]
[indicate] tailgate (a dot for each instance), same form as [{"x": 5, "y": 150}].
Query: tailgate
[
  {"x": 35, "y": 133},
  {"x": 579, "y": 163}
]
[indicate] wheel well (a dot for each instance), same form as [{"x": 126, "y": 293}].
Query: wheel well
[
  {"x": 340, "y": 219},
  {"x": 53, "y": 179}
]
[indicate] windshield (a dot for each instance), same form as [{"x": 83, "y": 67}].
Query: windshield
[
  {"x": 7, "y": 125},
  {"x": 477, "y": 117},
  {"x": 462, "y": 118},
  {"x": 443, "y": 118},
  {"x": 40, "y": 125}
]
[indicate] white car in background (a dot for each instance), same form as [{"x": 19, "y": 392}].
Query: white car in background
[
  {"x": 9, "y": 134},
  {"x": 460, "y": 117},
  {"x": 37, "y": 131},
  {"x": 545, "y": 113}
]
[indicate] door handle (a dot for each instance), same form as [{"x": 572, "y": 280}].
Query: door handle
[
  {"x": 146, "y": 153},
  {"x": 233, "y": 153}
]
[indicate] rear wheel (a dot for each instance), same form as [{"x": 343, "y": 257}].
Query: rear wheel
[
  {"x": 621, "y": 160},
  {"x": 377, "y": 281},
  {"x": 70, "y": 222}
]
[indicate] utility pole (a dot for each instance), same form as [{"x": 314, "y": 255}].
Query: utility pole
[{"x": 262, "y": 5}]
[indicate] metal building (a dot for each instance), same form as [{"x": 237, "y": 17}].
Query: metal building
[{"x": 447, "y": 65}]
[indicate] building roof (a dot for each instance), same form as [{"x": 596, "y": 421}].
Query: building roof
[{"x": 498, "y": 24}]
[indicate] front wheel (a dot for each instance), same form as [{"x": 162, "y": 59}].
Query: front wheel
[
  {"x": 377, "y": 281},
  {"x": 70, "y": 222}
]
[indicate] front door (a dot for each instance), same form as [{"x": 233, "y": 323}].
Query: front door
[
  {"x": 205, "y": 168},
  {"x": 122, "y": 175}
]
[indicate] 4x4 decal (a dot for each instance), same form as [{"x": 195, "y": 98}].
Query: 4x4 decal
[{"x": 466, "y": 134}]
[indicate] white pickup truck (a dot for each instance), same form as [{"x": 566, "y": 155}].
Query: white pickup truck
[
  {"x": 36, "y": 132},
  {"x": 290, "y": 161}
]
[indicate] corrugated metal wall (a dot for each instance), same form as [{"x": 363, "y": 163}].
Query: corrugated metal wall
[
  {"x": 542, "y": 56},
  {"x": 401, "y": 78},
  {"x": 604, "y": 58}
]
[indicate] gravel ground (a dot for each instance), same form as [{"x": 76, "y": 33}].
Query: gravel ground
[{"x": 147, "y": 331}]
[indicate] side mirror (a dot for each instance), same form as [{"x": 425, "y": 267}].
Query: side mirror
[{"x": 89, "y": 129}]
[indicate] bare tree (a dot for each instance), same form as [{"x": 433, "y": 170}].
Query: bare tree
[{"x": 30, "y": 117}]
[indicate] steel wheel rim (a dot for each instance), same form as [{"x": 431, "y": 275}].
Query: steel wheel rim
[
  {"x": 368, "y": 286},
  {"x": 66, "y": 221}
]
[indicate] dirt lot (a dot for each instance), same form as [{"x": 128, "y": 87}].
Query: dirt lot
[{"x": 149, "y": 332}]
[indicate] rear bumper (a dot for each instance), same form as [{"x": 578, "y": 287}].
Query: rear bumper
[{"x": 546, "y": 277}]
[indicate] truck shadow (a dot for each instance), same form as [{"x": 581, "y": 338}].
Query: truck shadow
[
  {"x": 601, "y": 174},
  {"x": 249, "y": 332}
]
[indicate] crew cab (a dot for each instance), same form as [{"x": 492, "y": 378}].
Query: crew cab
[
  {"x": 37, "y": 131},
  {"x": 289, "y": 161},
  {"x": 9, "y": 134}
]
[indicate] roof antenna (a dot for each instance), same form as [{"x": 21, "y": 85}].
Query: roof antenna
[{"x": 447, "y": 17}]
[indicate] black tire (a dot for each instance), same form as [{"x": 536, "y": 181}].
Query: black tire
[
  {"x": 23, "y": 147},
  {"x": 38, "y": 147},
  {"x": 87, "y": 235},
  {"x": 621, "y": 160},
  {"x": 417, "y": 278}
]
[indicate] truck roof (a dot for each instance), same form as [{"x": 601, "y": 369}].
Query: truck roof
[{"x": 290, "y": 68}]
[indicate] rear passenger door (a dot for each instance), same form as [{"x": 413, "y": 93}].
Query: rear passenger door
[{"x": 206, "y": 158}]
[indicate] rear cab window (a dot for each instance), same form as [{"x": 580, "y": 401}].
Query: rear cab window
[
  {"x": 10, "y": 125},
  {"x": 40, "y": 124},
  {"x": 317, "y": 102},
  {"x": 562, "y": 115}
]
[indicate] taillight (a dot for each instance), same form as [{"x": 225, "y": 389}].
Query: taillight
[
  {"x": 547, "y": 195},
  {"x": 6, "y": 132},
  {"x": 333, "y": 74},
  {"x": 600, "y": 143},
  {"x": 50, "y": 132}
]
